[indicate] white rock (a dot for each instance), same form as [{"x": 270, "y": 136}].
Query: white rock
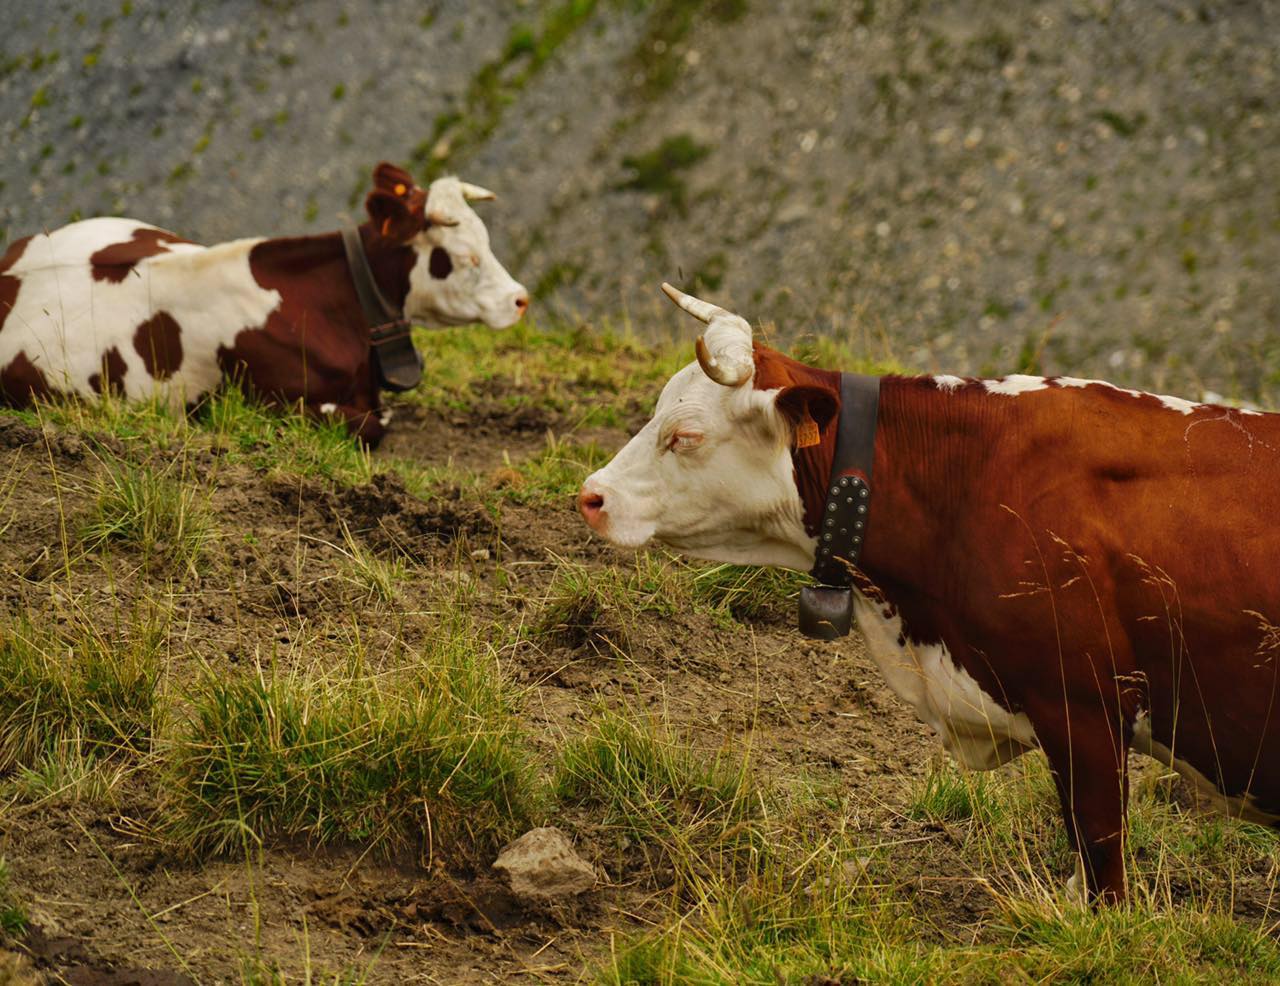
[{"x": 542, "y": 864}]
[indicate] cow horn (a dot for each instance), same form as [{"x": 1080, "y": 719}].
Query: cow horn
[
  {"x": 474, "y": 193},
  {"x": 724, "y": 350},
  {"x": 703, "y": 311},
  {"x": 437, "y": 218}
]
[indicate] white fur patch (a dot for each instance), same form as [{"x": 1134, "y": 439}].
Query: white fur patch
[
  {"x": 65, "y": 321},
  {"x": 973, "y": 726},
  {"x": 947, "y": 381},
  {"x": 1179, "y": 404},
  {"x": 1017, "y": 383},
  {"x": 1237, "y": 807},
  {"x": 1020, "y": 383}
]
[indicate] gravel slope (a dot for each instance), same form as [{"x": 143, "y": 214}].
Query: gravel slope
[{"x": 1070, "y": 184}]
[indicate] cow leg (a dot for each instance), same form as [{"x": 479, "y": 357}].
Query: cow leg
[{"x": 1088, "y": 755}]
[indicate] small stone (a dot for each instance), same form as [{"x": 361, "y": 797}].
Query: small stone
[
  {"x": 480, "y": 554},
  {"x": 542, "y": 864}
]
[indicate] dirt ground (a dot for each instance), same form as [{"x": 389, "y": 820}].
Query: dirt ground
[{"x": 110, "y": 905}]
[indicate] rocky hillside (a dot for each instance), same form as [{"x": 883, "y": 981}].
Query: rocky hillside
[{"x": 1070, "y": 184}]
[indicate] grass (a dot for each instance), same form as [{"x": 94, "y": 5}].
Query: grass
[
  {"x": 82, "y": 690},
  {"x": 146, "y": 508},
  {"x": 74, "y": 777},
  {"x": 812, "y": 905},
  {"x": 433, "y": 752},
  {"x": 384, "y": 719},
  {"x": 607, "y": 610},
  {"x": 378, "y": 578},
  {"x": 13, "y": 916},
  {"x": 600, "y": 378},
  {"x": 949, "y": 793},
  {"x": 649, "y": 784}
]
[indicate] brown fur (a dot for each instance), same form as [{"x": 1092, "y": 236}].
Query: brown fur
[
  {"x": 159, "y": 342},
  {"x": 114, "y": 263},
  {"x": 8, "y": 284},
  {"x": 805, "y": 390},
  {"x": 314, "y": 346},
  {"x": 22, "y": 383},
  {"x": 1085, "y": 555},
  {"x": 111, "y": 379}
]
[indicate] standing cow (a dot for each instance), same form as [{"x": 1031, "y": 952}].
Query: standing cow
[
  {"x": 1040, "y": 562},
  {"x": 115, "y": 304}
]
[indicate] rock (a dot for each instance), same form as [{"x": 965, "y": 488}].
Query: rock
[{"x": 542, "y": 864}]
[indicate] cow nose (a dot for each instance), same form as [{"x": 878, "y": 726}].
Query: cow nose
[
  {"x": 522, "y": 304},
  {"x": 591, "y": 506}
]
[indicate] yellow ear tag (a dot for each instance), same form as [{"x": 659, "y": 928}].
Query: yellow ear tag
[
  {"x": 400, "y": 189},
  {"x": 807, "y": 431}
]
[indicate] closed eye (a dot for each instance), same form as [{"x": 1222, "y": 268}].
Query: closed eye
[{"x": 684, "y": 441}]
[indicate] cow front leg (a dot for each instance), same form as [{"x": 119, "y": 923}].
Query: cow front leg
[
  {"x": 369, "y": 425},
  {"x": 1088, "y": 756}
]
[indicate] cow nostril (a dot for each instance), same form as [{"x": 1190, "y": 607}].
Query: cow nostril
[
  {"x": 522, "y": 302},
  {"x": 590, "y": 505}
]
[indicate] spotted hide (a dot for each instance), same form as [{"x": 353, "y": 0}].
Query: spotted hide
[
  {"x": 117, "y": 305},
  {"x": 1049, "y": 563}
]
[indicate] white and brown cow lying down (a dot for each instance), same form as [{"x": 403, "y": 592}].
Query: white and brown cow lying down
[
  {"x": 115, "y": 304},
  {"x": 1048, "y": 562}
]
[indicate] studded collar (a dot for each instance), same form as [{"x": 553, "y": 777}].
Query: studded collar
[{"x": 826, "y": 608}]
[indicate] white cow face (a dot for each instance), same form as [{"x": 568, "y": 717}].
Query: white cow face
[
  {"x": 711, "y": 474},
  {"x": 455, "y": 278}
]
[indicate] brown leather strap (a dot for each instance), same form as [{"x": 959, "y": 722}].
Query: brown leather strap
[
  {"x": 399, "y": 365},
  {"x": 376, "y": 309}
]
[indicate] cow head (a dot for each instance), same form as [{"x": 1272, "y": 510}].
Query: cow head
[
  {"x": 455, "y": 278},
  {"x": 711, "y": 474}
]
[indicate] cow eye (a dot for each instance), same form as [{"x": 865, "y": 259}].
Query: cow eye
[
  {"x": 683, "y": 441},
  {"x": 440, "y": 265}
]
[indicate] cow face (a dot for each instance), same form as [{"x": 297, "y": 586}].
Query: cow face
[
  {"x": 711, "y": 473},
  {"x": 455, "y": 278}
]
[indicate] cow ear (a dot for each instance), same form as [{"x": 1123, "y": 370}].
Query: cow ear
[
  {"x": 393, "y": 217},
  {"x": 809, "y": 410},
  {"x": 392, "y": 179}
]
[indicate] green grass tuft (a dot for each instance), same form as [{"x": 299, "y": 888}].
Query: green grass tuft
[
  {"x": 430, "y": 754},
  {"x": 145, "y": 508},
  {"x": 950, "y": 794},
  {"x": 650, "y": 785},
  {"x": 79, "y": 691}
]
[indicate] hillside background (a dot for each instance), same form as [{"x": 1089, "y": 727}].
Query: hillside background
[{"x": 1070, "y": 185}]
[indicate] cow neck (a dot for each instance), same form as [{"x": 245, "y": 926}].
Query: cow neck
[
  {"x": 811, "y": 466},
  {"x": 832, "y": 471}
]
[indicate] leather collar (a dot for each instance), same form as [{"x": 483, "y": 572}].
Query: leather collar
[
  {"x": 398, "y": 363},
  {"x": 826, "y": 609}
]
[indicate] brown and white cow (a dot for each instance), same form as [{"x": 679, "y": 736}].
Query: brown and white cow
[
  {"x": 1048, "y": 562},
  {"x": 115, "y": 304}
]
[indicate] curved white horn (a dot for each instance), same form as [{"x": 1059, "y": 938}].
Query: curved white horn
[
  {"x": 724, "y": 350},
  {"x": 474, "y": 193},
  {"x": 703, "y": 311},
  {"x": 437, "y": 218}
]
